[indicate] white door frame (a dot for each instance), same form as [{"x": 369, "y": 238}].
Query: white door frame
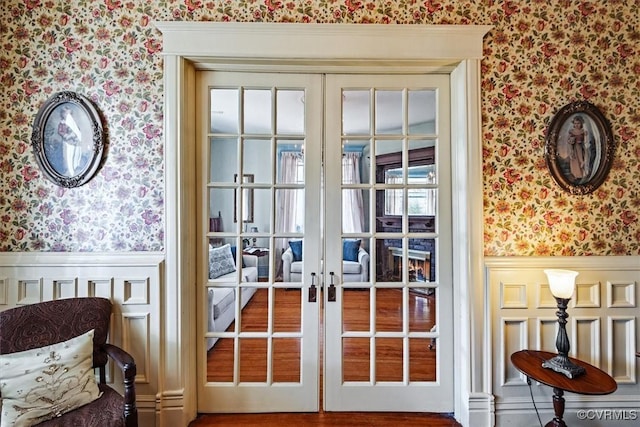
[{"x": 345, "y": 48}]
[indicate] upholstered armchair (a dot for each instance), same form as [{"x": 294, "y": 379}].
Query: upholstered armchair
[
  {"x": 34, "y": 327},
  {"x": 352, "y": 271}
]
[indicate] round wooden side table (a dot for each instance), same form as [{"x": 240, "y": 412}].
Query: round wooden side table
[{"x": 594, "y": 381}]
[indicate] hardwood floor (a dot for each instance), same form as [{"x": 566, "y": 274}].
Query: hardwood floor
[
  {"x": 369, "y": 419},
  {"x": 356, "y": 357}
]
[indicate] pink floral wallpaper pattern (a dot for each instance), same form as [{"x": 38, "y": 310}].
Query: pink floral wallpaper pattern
[{"x": 540, "y": 56}]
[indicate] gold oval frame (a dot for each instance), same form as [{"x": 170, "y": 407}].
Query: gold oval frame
[{"x": 579, "y": 169}]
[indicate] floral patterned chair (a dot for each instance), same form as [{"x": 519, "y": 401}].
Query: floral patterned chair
[{"x": 42, "y": 324}]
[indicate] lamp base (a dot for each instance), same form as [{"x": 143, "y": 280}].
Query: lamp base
[{"x": 563, "y": 365}]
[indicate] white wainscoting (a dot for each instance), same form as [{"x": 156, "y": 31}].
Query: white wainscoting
[
  {"x": 602, "y": 328},
  {"x": 132, "y": 281}
]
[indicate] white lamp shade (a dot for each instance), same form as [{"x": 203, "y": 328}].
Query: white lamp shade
[{"x": 562, "y": 282}]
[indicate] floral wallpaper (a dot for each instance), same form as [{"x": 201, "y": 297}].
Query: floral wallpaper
[{"x": 539, "y": 56}]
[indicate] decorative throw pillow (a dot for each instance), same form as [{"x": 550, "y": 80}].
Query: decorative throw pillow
[
  {"x": 44, "y": 383},
  {"x": 296, "y": 249},
  {"x": 221, "y": 261},
  {"x": 350, "y": 250}
]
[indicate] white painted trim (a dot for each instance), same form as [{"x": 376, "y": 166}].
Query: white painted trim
[
  {"x": 621, "y": 263},
  {"x": 333, "y": 48},
  {"x": 224, "y": 41},
  {"x": 78, "y": 259}
]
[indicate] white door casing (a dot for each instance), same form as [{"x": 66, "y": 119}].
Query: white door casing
[{"x": 456, "y": 50}]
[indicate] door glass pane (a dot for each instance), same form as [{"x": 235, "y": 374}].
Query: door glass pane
[
  {"x": 389, "y": 310},
  {"x": 389, "y": 112},
  {"x": 223, "y": 159},
  {"x": 287, "y": 306},
  {"x": 261, "y": 211},
  {"x": 289, "y": 213},
  {"x": 253, "y": 359},
  {"x": 356, "y": 112},
  {"x": 422, "y": 309},
  {"x": 419, "y": 262},
  {"x": 290, "y": 112},
  {"x": 356, "y": 310},
  {"x": 244, "y": 200},
  {"x": 360, "y": 165},
  {"x": 354, "y": 213},
  {"x": 255, "y": 155},
  {"x": 290, "y": 162},
  {"x": 356, "y": 265},
  {"x": 391, "y": 258},
  {"x": 422, "y": 359},
  {"x": 389, "y": 359},
  {"x": 221, "y": 207},
  {"x": 356, "y": 359},
  {"x": 292, "y": 264},
  {"x": 255, "y": 319},
  {"x": 257, "y": 111},
  {"x": 388, "y": 160},
  {"x": 422, "y": 112},
  {"x": 224, "y": 111},
  {"x": 220, "y": 360},
  {"x": 286, "y": 360},
  {"x": 355, "y": 201}
]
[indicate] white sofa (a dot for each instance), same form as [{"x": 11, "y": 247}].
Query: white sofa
[
  {"x": 352, "y": 271},
  {"x": 221, "y": 300}
]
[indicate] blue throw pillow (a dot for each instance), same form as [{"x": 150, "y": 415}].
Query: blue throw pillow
[
  {"x": 350, "y": 250},
  {"x": 233, "y": 252},
  {"x": 296, "y": 248}
]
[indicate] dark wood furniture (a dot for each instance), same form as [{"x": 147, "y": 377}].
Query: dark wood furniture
[
  {"x": 45, "y": 323},
  {"x": 594, "y": 381},
  {"x": 393, "y": 223},
  {"x": 256, "y": 251}
]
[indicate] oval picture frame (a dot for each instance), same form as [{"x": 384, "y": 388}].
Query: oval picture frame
[
  {"x": 579, "y": 147},
  {"x": 68, "y": 139}
]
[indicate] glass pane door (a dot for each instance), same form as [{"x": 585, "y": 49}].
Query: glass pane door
[
  {"x": 388, "y": 327},
  {"x": 259, "y": 250}
]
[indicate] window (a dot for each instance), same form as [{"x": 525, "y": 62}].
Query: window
[{"x": 421, "y": 201}]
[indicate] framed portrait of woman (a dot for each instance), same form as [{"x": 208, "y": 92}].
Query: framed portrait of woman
[
  {"x": 68, "y": 139},
  {"x": 579, "y": 147}
]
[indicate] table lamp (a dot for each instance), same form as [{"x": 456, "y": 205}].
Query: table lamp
[{"x": 562, "y": 284}]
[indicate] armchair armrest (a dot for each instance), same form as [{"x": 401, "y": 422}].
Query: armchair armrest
[
  {"x": 287, "y": 259},
  {"x": 127, "y": 365},
  {"x": 363, "y": 256},
  {"x": 363, "y": 259},
  {"x": 288, "y": 256},
  {"x": 250, "y": 260}
]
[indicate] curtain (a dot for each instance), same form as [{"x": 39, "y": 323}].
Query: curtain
[
  {"x": 352, "y": 203},
  {"x": 286, "y": 202}
]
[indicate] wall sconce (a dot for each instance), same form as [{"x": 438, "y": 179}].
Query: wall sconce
[{"x": 562, "y": 284}]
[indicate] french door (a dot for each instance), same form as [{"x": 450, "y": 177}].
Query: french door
[
  {"x": 259, "y": 172},
  {"x": 398, "y": 354},
  {"x": 333, "y": 193}
]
